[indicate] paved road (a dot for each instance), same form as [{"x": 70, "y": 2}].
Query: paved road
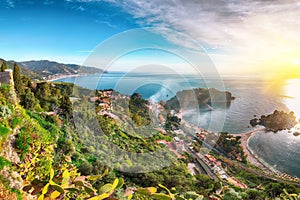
[
  {"x": 204, "y": 166},
  {"x": 242, "y": 166}
]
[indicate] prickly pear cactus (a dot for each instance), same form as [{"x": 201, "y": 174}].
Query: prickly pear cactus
[{"x": 5, "y": 111}]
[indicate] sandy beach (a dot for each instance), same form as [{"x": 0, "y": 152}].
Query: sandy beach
[
  {"x": 251, "y": 157},
  {"x": 63, "y": 76}
]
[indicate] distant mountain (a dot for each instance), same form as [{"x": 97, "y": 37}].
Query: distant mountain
[
  {"x": 25, "y": 71},
  {"x": 50, "y": 67},
  {"x": 45, "y": 69}
]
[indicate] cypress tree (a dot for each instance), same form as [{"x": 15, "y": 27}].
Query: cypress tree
[
  {"x": 17, "y": 80},
  {"x": 3, "y": 66},
  {"x": 66, "y": 106}
]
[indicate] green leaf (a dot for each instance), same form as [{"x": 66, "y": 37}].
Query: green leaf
[
  {"x": 115, "y": 184},
  {"x": 51, "y": 174},
  {"x": 57, "y": 188},
  {"x": 54, "y": 195},
  {"x": 45, "y": 189},
  {"x": 146, "y": 191},
  {"x": 66, "y": 174},
  {"x": 160, "y": 185},
  {"x": 94, "y": 198},
  {"x": 66, "y": 178},
  {"x": 94, "y": 177},
  {"x": 160, "y": 196},
  {"x": 107, "y": 188},
  {"x": 129, "y": 197},
  {"x": 79, "y": 181},
  {"x": 41, "y": 197},
  {"x": 170, "y": 194},
  {"x": 120, "y": 184},
  {"x": 72, "y": 189},
  {"x": 105, "y": 172},
  {"x": 103, "y": 196},
  {"x": 89, "y": 190},
  {"x": 100, "y": 197}
]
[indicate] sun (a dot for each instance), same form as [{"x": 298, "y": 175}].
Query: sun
[{"x": 296, "y": 62}]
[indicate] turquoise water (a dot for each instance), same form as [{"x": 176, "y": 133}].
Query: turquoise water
[{"x": 253, "y": 97}]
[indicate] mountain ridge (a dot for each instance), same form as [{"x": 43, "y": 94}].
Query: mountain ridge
[{"x": 46, "y": 69}]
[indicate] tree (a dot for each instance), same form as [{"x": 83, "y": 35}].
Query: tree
[
  {"x": 66, "y": 106},
  {"x": 17, "y": 80},
  {"x": 28, "y": 100},
  {"x": 26, "y": 81},
  {"x": 3, "y": 66},
  {"x": 43, "y": 93}
]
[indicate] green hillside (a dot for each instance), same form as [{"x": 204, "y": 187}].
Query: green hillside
[{"x": 43, "y": 155}]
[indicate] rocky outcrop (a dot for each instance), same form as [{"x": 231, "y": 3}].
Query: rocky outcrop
[
  {"x": 276, "y": 121},
  {"x": 10, "y": 152},
  {"x": 14, "y": 178}
]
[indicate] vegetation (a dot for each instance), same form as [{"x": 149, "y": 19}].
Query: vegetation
[
  {"x": 3, "y": 66},
  {"x": 17, "y": 80},
  {"x": 138, "y": 109},
  {"x": 230, "y": 146},
  {"x": 51, "y": 158},
  {"x": 172, "y": 123},
  {"x": 262, "y": 188},
  {"x": 199, "y": 97}
]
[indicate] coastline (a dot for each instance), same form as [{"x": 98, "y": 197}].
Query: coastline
[
  {"x": 252, "y": 158},
  {"x": 63, "y": 76}
]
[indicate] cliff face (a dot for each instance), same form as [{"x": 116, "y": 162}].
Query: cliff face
[{"x": 204, "y": 98}]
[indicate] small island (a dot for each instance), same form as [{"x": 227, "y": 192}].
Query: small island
[
  {"x": 205, "y": 98},
  {"x": 277, "y": 121}
]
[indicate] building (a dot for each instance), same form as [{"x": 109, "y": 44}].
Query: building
[{"x": 6, "y": 77}]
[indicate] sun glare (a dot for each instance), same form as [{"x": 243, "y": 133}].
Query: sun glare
[{"x": 296, "y": 62}]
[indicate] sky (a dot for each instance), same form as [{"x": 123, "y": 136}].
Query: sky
[{"x": 240, "y": 37}]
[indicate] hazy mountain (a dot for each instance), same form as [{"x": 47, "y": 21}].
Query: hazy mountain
[{"x": 49, "y": 69}]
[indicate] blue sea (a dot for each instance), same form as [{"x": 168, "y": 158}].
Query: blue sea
[{"x": 253, "y": 97}]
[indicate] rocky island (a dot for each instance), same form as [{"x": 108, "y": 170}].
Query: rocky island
[
  {"x": 202, "y": 97},
  {"x": 277, "y": 121}
]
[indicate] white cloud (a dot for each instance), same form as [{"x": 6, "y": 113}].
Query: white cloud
[
  {"x": 260, "y": 35},
  {"x": 10, "y": 4},
  {"x": 253, "y": 31}
]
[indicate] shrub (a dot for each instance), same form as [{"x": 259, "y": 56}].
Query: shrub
[
  {"x": 15, "y": 122},
  {"x": 4, "y": 162},
  {"x": 3, "y": 131},
  {"x": 23, "y": 142},
  {"x": 85, "y": 168}
]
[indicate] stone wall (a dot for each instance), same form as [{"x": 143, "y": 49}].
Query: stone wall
[{"x": 6, "y": 77}]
